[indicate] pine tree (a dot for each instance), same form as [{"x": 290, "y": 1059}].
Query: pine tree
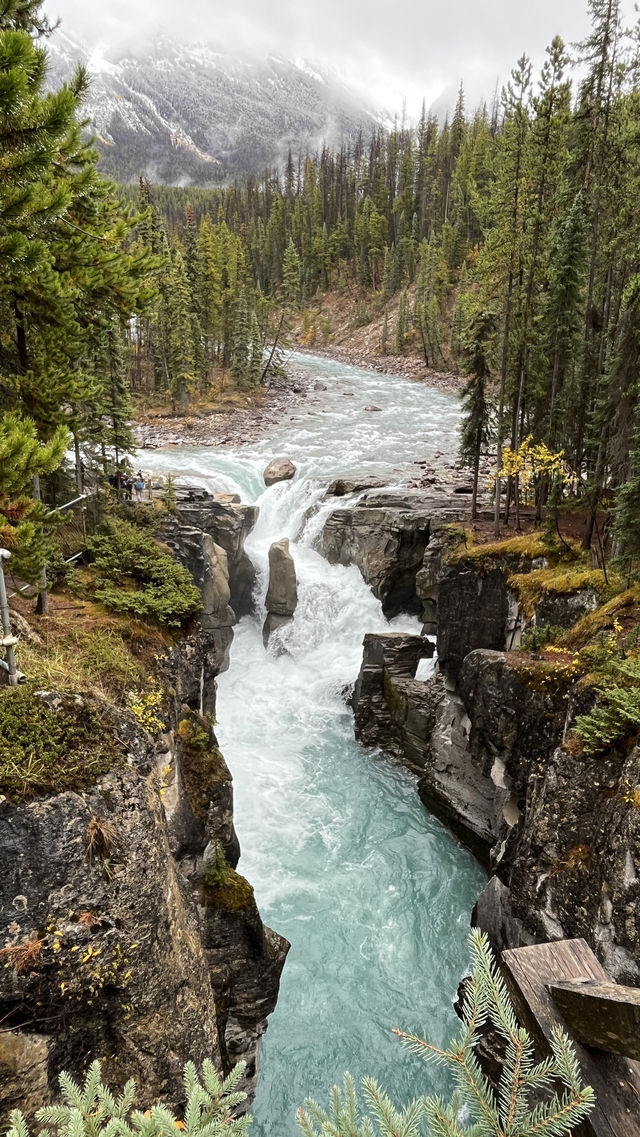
[
  {"x": 181, "y": 355},
  {"x": 210, "y": 276},
  {"x": 241, "y": 355},
  {"x": 384, "y": 338},
  {"x": 24, "y": 15},
  {"x": 598, "y": 167},
  {"x": 561, "y": 317},
  {"x": 291, "y": 275},
  {"x": 401, "y": 324},
  {"x": 501, "y": 261},
  {"x": 256, "y": 352},
  {"x": 615, "y": 411},
  {"x": 22, "y": 521}
]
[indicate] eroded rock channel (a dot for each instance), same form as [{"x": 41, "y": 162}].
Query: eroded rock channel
[{"x": 373, "y": 891}]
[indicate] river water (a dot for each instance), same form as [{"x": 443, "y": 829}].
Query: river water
[{"x": 372, "y": 892}]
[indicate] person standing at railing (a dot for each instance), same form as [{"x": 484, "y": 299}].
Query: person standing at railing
[{"x": 138, "y": 485}]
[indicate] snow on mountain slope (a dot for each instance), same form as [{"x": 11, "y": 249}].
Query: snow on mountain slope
[{"x": 192, "y": 114}]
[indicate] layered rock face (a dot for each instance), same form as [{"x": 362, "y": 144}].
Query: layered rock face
[
  {"x": 129, "y": 937},
  {"x": 386, "y": 535},
  {"x": 229, "y": 522},
  {"x": 559, "y": 831},
  {"x": 393, "y": 709}
]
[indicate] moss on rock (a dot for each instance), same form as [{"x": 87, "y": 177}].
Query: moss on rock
[
  {"x": 224, "y": 887},
  {"x": 52, "y": 742},
  {"x": 624, "y": 604},
  {"x": 526, "y": 546},
  {"x": 562, "y": 580},
  {"x": 203, "y": 767}
]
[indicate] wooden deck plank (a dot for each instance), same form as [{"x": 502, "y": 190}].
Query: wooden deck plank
[
  {"x": 615, "y": 1080},
  {"x": 602, "y": 1015}
]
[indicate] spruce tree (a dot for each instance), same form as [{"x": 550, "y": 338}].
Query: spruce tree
[
  {"x": 23, "y": 457},
  {"x": 476, "y": 414},
  {"x": 180, "y": 353},
  {"x": 241, "y": 354},
  {"x": 291, "y": 275},
  {"x": 401, "y": 324}
]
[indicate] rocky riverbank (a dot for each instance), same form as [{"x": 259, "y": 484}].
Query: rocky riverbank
[
  {"x": 491, "y": 735},
  {"x": 405, "y": 366},
  {"x": 232, "y": 426}
]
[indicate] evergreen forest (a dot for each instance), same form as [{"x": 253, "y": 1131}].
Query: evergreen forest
[{"x": 502, "y": 242}]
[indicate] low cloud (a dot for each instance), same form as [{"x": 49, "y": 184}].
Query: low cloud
[{"x": 407, "y": 50}]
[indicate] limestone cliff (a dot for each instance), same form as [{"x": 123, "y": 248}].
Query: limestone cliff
[
  {"x": 386, "y": 535},
  {"x": 128, "y": 936},
  {"x": 558, "y": 829}
]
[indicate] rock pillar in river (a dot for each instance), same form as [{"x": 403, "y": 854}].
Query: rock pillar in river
[{"x": 282, "y": 594}]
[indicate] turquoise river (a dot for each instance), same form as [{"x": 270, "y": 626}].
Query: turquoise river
[{"x": 374, "y": 894}]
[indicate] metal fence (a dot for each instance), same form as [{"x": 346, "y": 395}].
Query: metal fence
[
  {"x": 72, "y": 524},
  {"x": 79, "y": 519}
]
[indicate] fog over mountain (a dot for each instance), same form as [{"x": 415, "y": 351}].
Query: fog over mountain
[
  {"x": 181, "y": 113},
  {"x": 409, "y": 50},
  {"x": 204, "y": 94}
]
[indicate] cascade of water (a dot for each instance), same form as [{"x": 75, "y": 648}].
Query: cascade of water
[{"x": 373, "y": 894}]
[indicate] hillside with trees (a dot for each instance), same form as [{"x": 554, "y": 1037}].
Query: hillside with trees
[{"x": 502, "y": 243}]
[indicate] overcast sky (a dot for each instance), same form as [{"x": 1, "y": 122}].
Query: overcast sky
[{"x": 392, "y": 49}]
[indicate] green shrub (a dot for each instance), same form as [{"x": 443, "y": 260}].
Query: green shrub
[
  {"x": 616, "y": 717},
  {"x": 225, "y": 888},
  {"x": 92, "y": 1110},
  {"x": 536, "y": 637},
  {"x": 54, "y": 745},
  {"x": 218, "y": 870},
  {"x": 135, "y": 575}
]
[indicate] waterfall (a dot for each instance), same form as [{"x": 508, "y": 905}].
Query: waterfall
[{"x": 374, "y": 894}]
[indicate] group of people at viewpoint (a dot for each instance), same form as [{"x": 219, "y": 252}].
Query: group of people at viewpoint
[{"x": 132, "y": 487}]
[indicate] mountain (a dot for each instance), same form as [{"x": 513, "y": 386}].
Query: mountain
[{"x": 184, "y": 114}]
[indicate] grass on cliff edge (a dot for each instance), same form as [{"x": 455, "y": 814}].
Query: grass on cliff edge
[
  {"x": 567, "y": 569},
  {"x": 526, "y": 545},
  {"x": 51, "y": 745},
  {"x": 81, "y": 647},
  {"x": 562, "y": 580}
]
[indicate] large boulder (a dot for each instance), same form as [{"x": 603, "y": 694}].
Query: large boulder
[
  {"x": 279, "y": 470},
  {"x": 282, "y": 594}
]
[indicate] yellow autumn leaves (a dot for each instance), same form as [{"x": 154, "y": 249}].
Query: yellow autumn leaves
[{"x": 533, "y": 461}]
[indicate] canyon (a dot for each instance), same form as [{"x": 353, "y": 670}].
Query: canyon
[{"x": 459, "y": 800}]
